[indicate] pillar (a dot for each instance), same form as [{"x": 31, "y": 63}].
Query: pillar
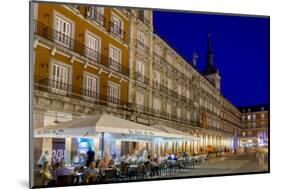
[{"x": 67, "y": 153}]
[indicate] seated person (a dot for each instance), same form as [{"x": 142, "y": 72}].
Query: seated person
[
  {"x": 62, "y": 170},
  {"x": 46, "y": 175},
  {"x": 92, "y": 172},
  {"x": 111, "y": 164},
  {"x": 169, "y": 157}
]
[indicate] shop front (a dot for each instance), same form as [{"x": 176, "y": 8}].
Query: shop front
[{"x": 71, "y": 140}]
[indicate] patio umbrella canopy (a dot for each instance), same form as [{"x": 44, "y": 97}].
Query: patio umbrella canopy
[
  {"x": 104, "y": 123},
  {"x": 170, "y": 130}
]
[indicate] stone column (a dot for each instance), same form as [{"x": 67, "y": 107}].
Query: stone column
[{"x": 67, "y": 153}]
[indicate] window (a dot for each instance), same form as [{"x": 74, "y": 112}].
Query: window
[
  {"x": 97, "y": 14},
  {"x": 158, "y": 50},
  {"x": 139, "y": 98},
  {"x": 169, "y": 58},
  {"x": 142, "y": 40},
  {"x": 188, "y": 96},
  {"x": 170, "y": 84},
  {"x": 254, "y": 125},
  {"x": 169, "y": 108},
  {"x": 115, "y": 58},
  {"x": 262, "y": 116},
  {"x": 63, "y": 31},
  {"x": 116, "y": 26},
  {"x": 156, "y": 105},
  {"x": 90, "y": 86},
  {"x": 249, "y": 117},
  {"x": 254, "y": 116},
  {"x": 179, "y": 90},
  {"x": 59, "y": 80},
  {"x": 157, "y": 78},
  {"x": 243, "y": 118},
  {"x": 188, "y": 115},
  {"x": 93, "y": 44},
  {"x": 262, "y": 124},
  {"x": 140, "y": 71},
  {"x": 249, "y": 133},
  {"x": 113, "y": 93},
  {"x": 178, "y": 112}
]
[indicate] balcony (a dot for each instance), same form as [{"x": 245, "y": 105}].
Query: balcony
[
  {"x": 163, "y": 89},
  {"x": 95, "y": 15},
  {"x": 64, "y": 89},
  {"x": 117, "y": 30},
  {"x": 158, "y": 61},
  {"x": 142, "y": 46},
  {"x": 143, "y": 18},
  {"x": 140, "y": 77},
  {"x": 77, "y": 47},
  {"x": 156, "y": 85}
]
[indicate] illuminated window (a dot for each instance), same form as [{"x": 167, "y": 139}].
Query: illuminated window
[
  {"x": 249, "y": 117},
  {"x": 262, "y": 116}
]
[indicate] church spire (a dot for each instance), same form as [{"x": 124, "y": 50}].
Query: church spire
[
  {"x": 210, "y": 67},
  {"x": 210, "y": 55}
]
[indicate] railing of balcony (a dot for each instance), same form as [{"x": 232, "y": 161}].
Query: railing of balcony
[
  {"x": 163, "y": 89},
  {"x": 117, "y": 30},
  {"x": 142, "y": 46},
  {"x": 143, "y": 18},
  {"x": 156, "y": 85},
  {"x": 95, "y": 15},
  {"x": 64, "y": 89},
  {"x": 140, "y": 77},
  {"x": 158, "y": 59},
  {"x": 162, "y": 114},
  {"x": 67, "y": 42}
]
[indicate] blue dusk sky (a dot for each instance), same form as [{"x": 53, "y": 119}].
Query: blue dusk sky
[{"x": 239, "y": 44}]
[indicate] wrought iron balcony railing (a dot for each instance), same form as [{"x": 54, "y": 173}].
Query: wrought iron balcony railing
[
  {"x": 64, "y": 89},
  {"x": 141, "y": 45},
  {"x": 140, "y": 77},
  {"x": 77, "y": 47},
  {"x": 144, "y": 19}
]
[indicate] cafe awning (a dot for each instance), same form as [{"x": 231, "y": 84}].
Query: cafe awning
[
  {"x": 102, "y": 123},
  {"x": 180, "y": 134}
]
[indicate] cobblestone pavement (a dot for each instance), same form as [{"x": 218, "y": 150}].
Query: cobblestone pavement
[{"x": 224, "y": 165}]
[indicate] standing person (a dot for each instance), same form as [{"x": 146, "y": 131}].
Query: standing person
[
  {"x": 43, "y": 158},
  {"x": 91, "y": 156}
]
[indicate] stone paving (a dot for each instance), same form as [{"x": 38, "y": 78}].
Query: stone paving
[{"x": 224, "y": 165}]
